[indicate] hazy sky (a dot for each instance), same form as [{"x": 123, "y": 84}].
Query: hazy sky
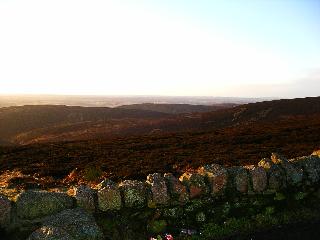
[{"x": 161, "y": 47}]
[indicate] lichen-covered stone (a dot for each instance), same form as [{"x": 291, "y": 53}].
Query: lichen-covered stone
[
  {"x": 86, "y": 197},
  {"x": 109, "y": 197},
  {"x": 177, "y": 190},
  {"x": 310, "y": 166},
  {"x": 316, "y": 153},
  {"x": 158, "y": 189},
  {"x": 50, "y": 233},
  {"x": 34, "y": 204},
  {"x": 134, "y": 193},
  {"x": 217, "y": 177},
  {"x": 276, "y": 175},
  {"x": 239, "y": 178},
  {"x": 266, "y": 163},
  {"x": 294, "y": 174},
  {"x": 75, "y": 224},
  {"x": 5, "y": 211},
  {"x": 259, "y": 178},
  {"x": 196, "y": 184}
]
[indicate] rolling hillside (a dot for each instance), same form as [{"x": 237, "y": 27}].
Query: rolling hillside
[
  {"x": 263, "y": 111},
  {"x": 54, "y": 123},
  {"x": 17, "y": 121},
  {"x": 32, "y": 124},
  {"x": 240, "y": 135}
]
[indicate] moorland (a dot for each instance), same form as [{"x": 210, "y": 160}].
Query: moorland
[{"x": 51, "y": 145}]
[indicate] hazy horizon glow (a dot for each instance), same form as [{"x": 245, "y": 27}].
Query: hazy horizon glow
[{"x": 178, "y": 48}]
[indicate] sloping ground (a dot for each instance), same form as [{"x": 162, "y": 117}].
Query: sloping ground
[
  {"x": 87, "y": 130},
  {"x": 19, "y": 120},
  {"x": 135, "y": 157},
  {"x": 262, "y": 112},
  {"x": 240, "y": 135},
  {"x": 49, "y": 123},
  {"x": 32, "y": 124}
]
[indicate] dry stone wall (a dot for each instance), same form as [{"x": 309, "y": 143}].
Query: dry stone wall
[{"x": 183, "y": 205}]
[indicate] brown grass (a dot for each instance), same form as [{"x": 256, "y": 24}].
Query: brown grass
[{"x": 135, "y": 157}]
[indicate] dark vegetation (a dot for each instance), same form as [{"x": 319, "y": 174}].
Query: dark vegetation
[
  {"x": 32, "y": 122},
  {"x": 162, "y": 142},
  {"x": 177, "y": 108},
  {"x": 54, "y": 123}
]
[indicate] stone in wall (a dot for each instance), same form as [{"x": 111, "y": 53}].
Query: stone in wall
[
  {"x": 294, "y": 174},
  {"x": 276, "y": 175},
  {"x": 217, "y": 177},
  {"x": 239, "y": 179},
  {"x": 33, "y": 204},
  {"x": 159, "y": 190},
  {"x": 50, "y": 233},
  {"x": 259, "y": 178},
  {"x": 5, "y": 211},
  {"x": 310, "y": 166},
  {"x": 134, "y": 193},
  {"x": 177, "y": 190},
  {"x": 109, "y": 197},
  {"x": 316, "y": 153},
  {"x": 75, "y": 224},
  {"x": 86, "y": 197},
  {"x": 196, "y": 184}
]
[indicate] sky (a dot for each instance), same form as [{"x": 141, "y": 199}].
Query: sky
[{"x": 240, "y": 48}]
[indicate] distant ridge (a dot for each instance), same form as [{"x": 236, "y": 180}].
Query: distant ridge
[
  {"x": 115, "y": 101},
  {"x": 178, "y": 108},
  {"x": 17, "y": 120},
  {"x": 263, "y": 111},
  {"x": 55, "y": 123}
]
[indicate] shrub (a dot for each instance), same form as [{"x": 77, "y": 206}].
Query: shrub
[{"x": 92, "y": 173}]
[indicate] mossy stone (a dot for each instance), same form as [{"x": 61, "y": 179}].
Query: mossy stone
[{"x": 34, "y": 204}]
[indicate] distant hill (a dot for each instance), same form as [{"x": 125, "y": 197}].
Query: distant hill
[
  {"x": 177, "y": 108},
  {"x": 18, "y": 120},
  {"x": 114, "y": 101},
  {"x": 263, "y": 112},
  {"x": 50, "y": 123}
]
